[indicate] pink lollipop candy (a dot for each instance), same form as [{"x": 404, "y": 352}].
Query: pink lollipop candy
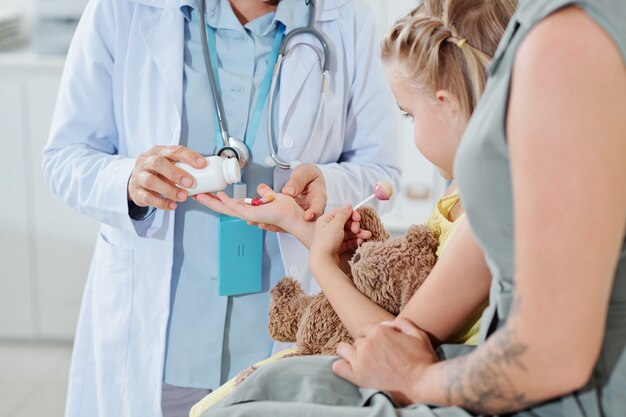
[{"x": 383, "y": 192}]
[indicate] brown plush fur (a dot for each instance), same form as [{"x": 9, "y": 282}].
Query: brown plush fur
[{"x": 388, "y": 271}]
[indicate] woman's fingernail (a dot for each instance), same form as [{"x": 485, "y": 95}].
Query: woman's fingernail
[
  {"x": 200, "y": 161},
  {"x": 172, "y": 206},
  {"x": 187, "y": 182},
  {"x": 182, "y": 196},
  {"x": 289, "y": 190}
]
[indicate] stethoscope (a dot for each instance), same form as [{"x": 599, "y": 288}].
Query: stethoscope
[{"x": 236, "y": 148}]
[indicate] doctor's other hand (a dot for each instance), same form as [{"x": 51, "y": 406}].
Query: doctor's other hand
[
  {"x": 308, "y": 187},
  {"x": 155, "y": 176},
  {"x": 392, "y": 356}
]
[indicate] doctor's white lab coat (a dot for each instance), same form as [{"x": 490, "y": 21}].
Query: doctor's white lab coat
[{"x": 121, "y": 93}]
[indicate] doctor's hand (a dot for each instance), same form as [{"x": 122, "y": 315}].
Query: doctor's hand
[
  {"x": 393, "y": 356},
  {"x": 154, "y": 178},
  {"x": 308, "y": 187}
]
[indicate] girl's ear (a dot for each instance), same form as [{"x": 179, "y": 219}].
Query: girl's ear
[
  {"x": 446, "y": 98},
  {"x": 450, "y": 105}
]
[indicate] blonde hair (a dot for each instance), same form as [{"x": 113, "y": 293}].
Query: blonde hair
[{"x": 448, "y": 44}]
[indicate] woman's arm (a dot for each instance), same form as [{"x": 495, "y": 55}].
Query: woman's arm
[{"x": 567, "y": 138}]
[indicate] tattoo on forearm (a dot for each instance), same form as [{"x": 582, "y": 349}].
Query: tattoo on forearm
[{"x": 483, "y": 383}]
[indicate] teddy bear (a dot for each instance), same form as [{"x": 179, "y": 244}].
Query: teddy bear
[{"x": 387, "y": 270}]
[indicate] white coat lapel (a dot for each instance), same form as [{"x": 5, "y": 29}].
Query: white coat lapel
[
  {"x": 163, "y": 33},
  {"x": 299, "y": 62}
]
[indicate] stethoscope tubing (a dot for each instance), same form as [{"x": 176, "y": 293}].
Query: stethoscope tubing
[
  {"x": 219, "y": 107},
  {"x": 270, "y": 124}
]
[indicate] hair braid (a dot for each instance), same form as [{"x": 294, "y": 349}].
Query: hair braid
[{"x": 448, "y": 44}]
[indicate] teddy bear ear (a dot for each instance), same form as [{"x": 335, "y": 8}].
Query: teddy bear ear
[
  {"x": 421, "y": 236},
  {"x": 370, "y": 220}
]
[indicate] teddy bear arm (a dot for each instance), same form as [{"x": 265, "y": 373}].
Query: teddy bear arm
[
  {"x": 288, "y": 303},
  {"x": 321, "y": 329}
]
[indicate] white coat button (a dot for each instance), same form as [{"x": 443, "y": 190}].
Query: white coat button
[
  {"x": 288, "y": 142},
  {"x": 293, "y": 271},
  {"x": 269, "y": 162}
]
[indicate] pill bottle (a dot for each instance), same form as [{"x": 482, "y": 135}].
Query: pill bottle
[{"x": 216, "y": 176}]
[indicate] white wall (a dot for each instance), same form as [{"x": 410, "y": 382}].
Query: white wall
[
  {"x": 18, "y": 4},
  {"x": 24, "y": 5}
]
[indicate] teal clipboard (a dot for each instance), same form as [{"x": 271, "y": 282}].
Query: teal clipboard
[{"x": 240, "y": 257}]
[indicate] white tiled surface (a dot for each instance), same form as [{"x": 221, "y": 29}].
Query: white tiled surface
[{"x": 33, "y": 379}]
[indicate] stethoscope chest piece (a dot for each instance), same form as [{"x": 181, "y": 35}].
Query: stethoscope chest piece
[{"x": 236, "y": 149}]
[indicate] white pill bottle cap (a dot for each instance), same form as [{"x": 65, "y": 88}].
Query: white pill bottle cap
[{"x": 231, "y": 170}]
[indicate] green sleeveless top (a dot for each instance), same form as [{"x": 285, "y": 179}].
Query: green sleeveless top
[{"x": 484, "y": 179}]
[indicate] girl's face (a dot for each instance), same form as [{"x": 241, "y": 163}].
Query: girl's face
[{"x": 438, "y": 122}]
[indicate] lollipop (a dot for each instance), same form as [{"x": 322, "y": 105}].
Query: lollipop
[{"x": 382, "y": 192}]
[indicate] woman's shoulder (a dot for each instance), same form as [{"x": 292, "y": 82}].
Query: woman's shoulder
[
  {"x": 580, "y": 37},
  {"x": 571, "y": 22}
]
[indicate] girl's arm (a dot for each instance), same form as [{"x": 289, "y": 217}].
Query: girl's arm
[
  {"x": 455, "y": 289},
  {"x": 459, "y": 283},
  {"x": 352, "y": 307},
  {"x": 567, "y": 138},
  {"x": 282, "y": 213}
]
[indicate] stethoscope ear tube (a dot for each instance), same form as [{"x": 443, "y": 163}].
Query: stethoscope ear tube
[
  {"x": 214, "y": 88},
  {"x": 311, "y": 31}
]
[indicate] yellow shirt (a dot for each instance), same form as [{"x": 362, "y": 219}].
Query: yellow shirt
[
  {"x": 440, "y": 223},
  {"x": 443, "y": 228}
]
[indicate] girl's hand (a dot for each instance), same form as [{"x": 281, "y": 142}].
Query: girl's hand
[
  {"x": 276, "y": 215},
  {"x": 390, "y": 356},
  {"x": 336, "y": 232},
  {"x": 354, "y": 236}
]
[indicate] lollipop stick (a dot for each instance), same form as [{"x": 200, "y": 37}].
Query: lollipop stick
[{"x": 364, "y": 201}]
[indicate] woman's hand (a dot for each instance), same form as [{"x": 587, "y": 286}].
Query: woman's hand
[
  {"x": 391, "y": 356},
  {"x": 336, "y": 232},
  {"x": 155, "y": 177},
  {"x": 308, "y": 187},
  {"x": 279, "y": 213}
]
